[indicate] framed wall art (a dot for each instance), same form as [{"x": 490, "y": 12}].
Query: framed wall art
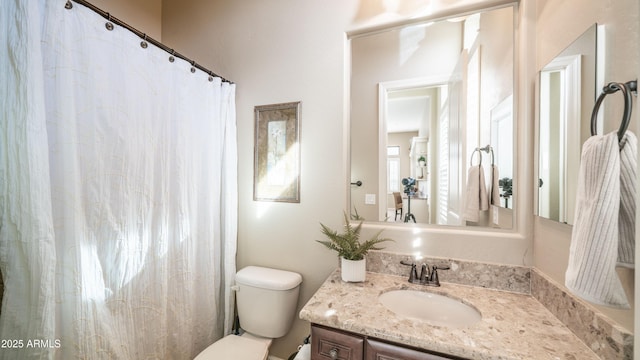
[{"x": 276, "y": 172}]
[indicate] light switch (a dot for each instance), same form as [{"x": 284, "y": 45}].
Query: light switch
[{"x": 370, "y": 199}]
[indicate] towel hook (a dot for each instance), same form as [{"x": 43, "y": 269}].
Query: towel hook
[
  {"x": 488, "y": 149},
  {"x": 626, "y": 89}
]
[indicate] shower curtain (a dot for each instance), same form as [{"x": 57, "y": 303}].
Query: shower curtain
[{"x": 118, "y": 205}]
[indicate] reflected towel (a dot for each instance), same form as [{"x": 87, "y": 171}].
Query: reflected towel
[
  {"x": 593, "y": 252},
  {"x": 628, "y": 180},
  {"x": 477, "y": 198},
  {"x": 495, "y": 186}
]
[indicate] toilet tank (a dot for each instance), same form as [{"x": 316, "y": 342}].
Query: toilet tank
[{"x": 267, "y": 300}]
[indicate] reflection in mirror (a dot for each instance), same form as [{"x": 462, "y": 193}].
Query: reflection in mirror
[
  {"x": 424, "y": 97},
  {"x": 566, "y": 96}
]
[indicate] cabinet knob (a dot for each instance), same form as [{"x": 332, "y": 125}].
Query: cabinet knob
[{"x": 333, "y": 353}]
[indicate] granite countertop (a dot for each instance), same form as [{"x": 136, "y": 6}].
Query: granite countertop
[{"x": 513, "y": 326}]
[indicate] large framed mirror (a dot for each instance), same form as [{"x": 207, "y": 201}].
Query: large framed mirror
[
  {"x": 432, "y": 122},
  {"x": 567, "y": 92}
]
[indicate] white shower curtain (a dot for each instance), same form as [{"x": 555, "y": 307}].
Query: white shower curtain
[{"x": 118, "y": 206}]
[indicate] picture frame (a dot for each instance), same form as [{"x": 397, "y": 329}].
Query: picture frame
[{"x": 276, "y": 172}]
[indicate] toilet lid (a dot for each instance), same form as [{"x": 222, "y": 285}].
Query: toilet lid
[{"x": 234, "y": 347}]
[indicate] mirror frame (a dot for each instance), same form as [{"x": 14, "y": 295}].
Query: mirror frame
[{"x": 465, "y": 242}]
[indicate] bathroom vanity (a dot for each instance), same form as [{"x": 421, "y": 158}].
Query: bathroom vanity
[
  {"x": 349, "y": 322},
  {"x": 336, "y": 344}
]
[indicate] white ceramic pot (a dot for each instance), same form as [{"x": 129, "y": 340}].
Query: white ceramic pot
[{"x": 353, "y": 270}]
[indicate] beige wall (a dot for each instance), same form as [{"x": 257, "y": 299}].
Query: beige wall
[
  {"x": 558, "y": 23},
  {"x": 144, "y": 15}
]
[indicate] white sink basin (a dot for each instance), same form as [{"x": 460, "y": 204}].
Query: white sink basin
[{"x": 429, "y": 307}]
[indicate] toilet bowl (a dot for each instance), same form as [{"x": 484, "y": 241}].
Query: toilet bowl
[
  {"x": 234, "y": 347},
  {"x": 266, "y": 299}
]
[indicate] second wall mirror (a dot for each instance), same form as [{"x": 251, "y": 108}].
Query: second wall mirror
[{"x": 567, "y": 92}]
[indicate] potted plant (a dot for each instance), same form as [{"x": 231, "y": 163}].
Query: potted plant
[
  {"x": 422, "y": 161},
  {"x": 352, "y": 252},
  {"x": 507, "y": 189}
]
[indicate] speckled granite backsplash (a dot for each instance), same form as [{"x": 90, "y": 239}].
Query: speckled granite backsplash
[
  {"x": 492, "y": 276},
  {"x": 601, "y": 334}
]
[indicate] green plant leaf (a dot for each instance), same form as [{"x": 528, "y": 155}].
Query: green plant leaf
[{"x": 347, "y": 244}]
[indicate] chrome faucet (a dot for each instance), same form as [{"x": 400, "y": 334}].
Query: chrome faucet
[
  {"x": 424, "y": 273},
  {"x": 429, "y": 278}
]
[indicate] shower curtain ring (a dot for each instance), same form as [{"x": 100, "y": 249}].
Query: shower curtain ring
[
  {"x": 109, "y": 24},
  {"x": 143, "y": 43},
  {"x": 68, "y": 5}
]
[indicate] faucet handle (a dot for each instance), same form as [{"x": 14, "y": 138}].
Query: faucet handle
[
  {"x": 434, "y": 271},
  {"x": 413, "y": 275},
  {"x": 440, "y": 268},
  {"x": 434, "y": 274}
]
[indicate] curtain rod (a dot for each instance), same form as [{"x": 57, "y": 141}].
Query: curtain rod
[{"x": 143, "y": 36}]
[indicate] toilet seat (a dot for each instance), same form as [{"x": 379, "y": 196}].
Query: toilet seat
[{"x": 233, "y": 347}]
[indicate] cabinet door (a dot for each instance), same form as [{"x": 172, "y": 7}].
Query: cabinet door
[
  {"x": 377, "y": 350},
  {"x": 329, "y": 344}
]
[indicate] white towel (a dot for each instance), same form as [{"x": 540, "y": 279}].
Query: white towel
[
  {"x": 628, "y": 180},
  {"x": 495, "y": 186},
  {"x": 477, "y": 198},
  {"x": 593, "y": 252}
]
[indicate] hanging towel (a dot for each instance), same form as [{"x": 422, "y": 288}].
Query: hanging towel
[
  {"x": 628, "y": 180},
  {"x": 495, "y": 186},
  {"x": 593, "y": 251},
  {"x": 477, "y": 198}
]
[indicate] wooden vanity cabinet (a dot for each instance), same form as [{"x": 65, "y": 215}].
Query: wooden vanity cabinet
[
  {"x": 332, "y": 344},
  {"x": 378, "y": 350}
]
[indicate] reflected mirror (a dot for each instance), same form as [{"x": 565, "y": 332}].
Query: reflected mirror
[
  {"x": 567, "y": 92},
  {"x": 432, "y": 125}
]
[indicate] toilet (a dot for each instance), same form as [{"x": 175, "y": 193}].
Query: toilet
[{"x": 266, "y": 299}]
